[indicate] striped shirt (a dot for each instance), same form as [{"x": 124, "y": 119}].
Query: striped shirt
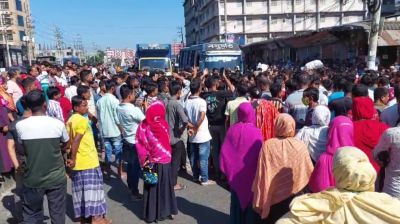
[{"x": 54, "y": 110}]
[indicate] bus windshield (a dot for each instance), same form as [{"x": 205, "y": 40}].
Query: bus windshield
[
  {"x": 218, "y": 61},
  {"x": 155, "y": 64}
]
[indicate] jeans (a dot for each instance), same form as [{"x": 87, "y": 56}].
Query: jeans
[
  {"x": 177, "y": 151},
  {"x": 116, "y": 144},
  {"x": 33, "y": 204},
  {"x": 199, "y": 154},
  {"x": 133, "y": 168},
  {"x": 218, "y": 135}
]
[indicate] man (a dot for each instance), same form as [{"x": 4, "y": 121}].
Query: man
[
  {"x": 342, "y": 106},
  {"x": 54, "y": 107},
  {"x": 178, "y": 122},
  {"x": 276, "y": 99},
  {"x": 87, "y": 180},
  {"x": 71, "y": 90},
  {"x": 264, "y": 84},
  {"x": 390, "y": 115},
  {"x": 12, "y": 87},
  {"x": 129, "y": 117},
  {"x": 233, "y": 105},
  {"x": 44, "y": 174},
  {"x": 310, "y": 99},
  {"x": 381, "y": 96},
  {"x": 86, "y": 80},
  {"x": 216, "y": 104},
  {"x": 107, "y": 108},
  {"x": 29, "y": 84},
  {"x": 294, "y": 103},
  {"x": 200, "y": 137},
  {"x": 17, "y": 155}
]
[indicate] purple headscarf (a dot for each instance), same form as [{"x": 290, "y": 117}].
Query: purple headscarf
[{"x": 239, "y": 154}]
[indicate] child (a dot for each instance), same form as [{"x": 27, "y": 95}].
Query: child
[
  {"x": 53, "y": 106},
  {"x": 87, "y": 180}
]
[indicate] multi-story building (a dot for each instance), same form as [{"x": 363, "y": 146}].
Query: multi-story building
[
  {"x": 390, "y": 7},
  {"x": 257, "y": 20},
  {"x": 16, "y": 33}
]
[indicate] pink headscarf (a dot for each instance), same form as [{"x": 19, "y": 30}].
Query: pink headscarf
[
  {"x": 341, "y": 134},
  {"x": 239, "y": 154},
  {"x": 153, "y": 136}
]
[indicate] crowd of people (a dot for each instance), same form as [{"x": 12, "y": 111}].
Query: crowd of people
[{"x": 312, "y": 145}]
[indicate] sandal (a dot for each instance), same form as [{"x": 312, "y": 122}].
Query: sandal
[{"x": 180, "y": 187}]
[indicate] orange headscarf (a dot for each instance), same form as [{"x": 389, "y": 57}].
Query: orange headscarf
[
  {"x": 266, "y": 115},
  {"x": 284, "y": 167},
  {"x": 6, "y": 98}
]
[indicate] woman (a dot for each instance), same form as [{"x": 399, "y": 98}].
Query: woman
[
  {"x": 367, "y": 131},
  {"x": 153, "y": 148},
  {"x": 340, "y": 134},
  {"x": 238, "y": 161},
  {"x": 266, "y": 115},
  {"x": 353, "y": 199},
  {"x": 7, "y": 99},
  {"x": 389, "y": 145},
  {"x": 283, "y": 170},
  {"x": 316, "y": 136}
]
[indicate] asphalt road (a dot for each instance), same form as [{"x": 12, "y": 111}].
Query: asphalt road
[{"x": 197, "y": 204}]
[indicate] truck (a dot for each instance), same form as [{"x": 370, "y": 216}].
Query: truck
[{"x": 154, "y": 57}]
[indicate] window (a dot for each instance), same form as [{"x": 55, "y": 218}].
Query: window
[
  {"x": 249, "y": 22},
  {"x": 9, "y": 36},
  {"x": 265, "y": 22},
  {"x": 274, "y": 20},
  {"x": 298, "y": 2},
  {"x": 7, "y": 21},
  {"x": 4, "y": 5},
  {"x": 274, "y": 2},
  {"x": 346, "y": 18},
  {"x": 18, "y": 5},
  {"x": 21, "y": 35},
  {"x": 322, "y": 19},
  {"x": 249, "y": 4},
  {"x": 264, "y": 3},
  {"x": 20, "y": 20}
]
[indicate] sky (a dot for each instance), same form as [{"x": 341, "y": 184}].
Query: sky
[{"x": 108, "y": 23}]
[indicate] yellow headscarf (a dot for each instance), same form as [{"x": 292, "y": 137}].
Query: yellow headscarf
[{"x": 353, "y": 170}]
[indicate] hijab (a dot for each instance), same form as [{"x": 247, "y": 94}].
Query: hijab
[
  {"x": 367, "y": 131},
  {"x": 266, "y": 115},
  {"x": 239, "y": 154},
  {"x": 316, "y": 136},
  {"x": 5, "y": 98},
  {"x": 283, "y": 169},
  {"x": 153, "y": 136}
]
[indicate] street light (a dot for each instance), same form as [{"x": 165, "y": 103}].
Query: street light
[{"x": 27, "y": 40}]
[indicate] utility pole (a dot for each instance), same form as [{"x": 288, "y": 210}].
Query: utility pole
[
  {"x": 30, "y": 40},
  {"x": 4, "y": 27},
  {"x": 374, "y": 7},
  {"x": 58, "y": 36},
  {"x": 180, "y": 33},
  {"x": 226, "y": 20}
]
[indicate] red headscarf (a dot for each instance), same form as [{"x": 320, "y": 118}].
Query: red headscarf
[
  {"x": 266, "y": 115},
  {"x": 152, "y": 136},
  {"x": 367, "y": 129}
]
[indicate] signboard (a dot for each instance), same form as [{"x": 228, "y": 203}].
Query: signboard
[
  {"x": 153, "y": 46},
  {"x": 222, "y": 47},
  {"x": 119, "y": 54}
]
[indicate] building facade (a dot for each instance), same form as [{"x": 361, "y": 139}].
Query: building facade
[
  {"x": 257, "y": 20},
  {"x": 16, "y": 32}
]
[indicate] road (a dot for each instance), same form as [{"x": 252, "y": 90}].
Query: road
[{"x": 197, "y": 204}]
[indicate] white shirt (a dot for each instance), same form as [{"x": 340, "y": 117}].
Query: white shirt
[
  {"x": 193, "y": 107},
  {"x": 390, "y": 141},
  {"x": 71, "y": 92},
  {"x": 14, "y": 90}
]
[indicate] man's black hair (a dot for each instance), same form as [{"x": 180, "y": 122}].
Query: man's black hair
[
  {"x": 397, "y": 92},
  {"x": 52, "y": 92},
  {"x": 110, "y": 84},
  {"x": 383, "y": 81},
  {"x": 82, "y": 90},
  {"x": 74, "y": 80},
  {"x": 35, "y": 100},
  {"x": 211, "y": 81},
  {"x": 312, "y": 93},
  {"x": 255, "y": 92},
  {"x": 348, "y": 87},
  {"x": 28, "y": 82},
  {"x": 242, "y": 89},
  {"x": 195, "y": 86},
  {"x": 151, "y": 87},
  {"x": 12, "y": 73},
  {"x": 84, "y": 75},
  {"x": 303, "y": 80},
  {"x": 174, "y": 88},
  {"x": 327, "y": 84},
  {"x": 23, "y": 102},
  {"x": 367, "y": 80},
  {"x": 359, "y": 90},
  {"x": 380, "y": 92},
  {"x": 125, "y": 91},
  {"x": 77, "y": 101},
  {"x": 275, "y": 89}
]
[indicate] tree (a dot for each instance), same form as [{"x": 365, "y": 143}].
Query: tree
[{"x": 96, "y": 58}]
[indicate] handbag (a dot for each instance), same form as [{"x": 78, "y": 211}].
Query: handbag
[{"x": 150, "y": 175}]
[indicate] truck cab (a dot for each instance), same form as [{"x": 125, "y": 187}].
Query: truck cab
[{"x": 154, "y": 57}]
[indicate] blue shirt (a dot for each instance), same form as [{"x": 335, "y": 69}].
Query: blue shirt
[
  {"x": 335, "y": 95},
  {"x": 107, "y": 109},
  {"x": 129, "y": 117}
]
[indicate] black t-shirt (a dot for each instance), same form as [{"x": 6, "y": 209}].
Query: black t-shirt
[
  {"x": 216, "y": 104},
  {"x": 12, "y": 134},
  {"x": 341, "y": 106}
]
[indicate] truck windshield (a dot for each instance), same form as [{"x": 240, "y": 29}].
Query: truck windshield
[
  {"x": 231, "y": 62},
  {"x": 154, "y": 64}
]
